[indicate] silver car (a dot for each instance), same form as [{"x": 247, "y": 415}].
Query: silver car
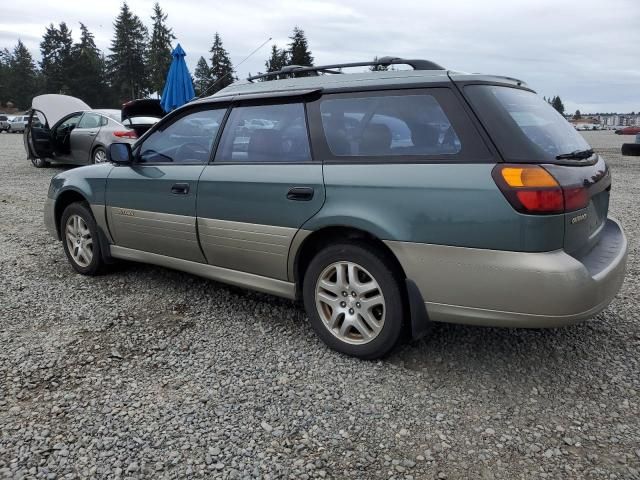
[
  {"x": 17, "y": 124},
  {"x": 68, "y": 131}
]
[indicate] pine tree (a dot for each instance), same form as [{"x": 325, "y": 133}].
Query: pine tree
[
  {"x": 87, "y": 81},
  {"x": 5, "y": 58},
  {"x": 23, "y": 77},
  {"x": 159, "y": 52},
  {"x": 577, "y": 115},
  {"x": 558, "y": 105},
  {"x": 202, "y": 77},
  {"x": 299, "y": 53},
  {"x": 126, "y": 63},
  {"x": 378, "y": 68},
  {"x": 279, "y": 59},
  {"x": 221, "y": 67},
  {"x": 56, "y": 63}
]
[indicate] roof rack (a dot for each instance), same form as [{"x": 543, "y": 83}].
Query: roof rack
[{"x": 291, "y": 70}]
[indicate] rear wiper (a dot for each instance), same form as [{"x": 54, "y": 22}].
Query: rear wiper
[{"x": 576, "y": 154}]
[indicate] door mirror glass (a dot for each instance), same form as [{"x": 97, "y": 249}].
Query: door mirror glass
[{"x": 120, "y": 153}]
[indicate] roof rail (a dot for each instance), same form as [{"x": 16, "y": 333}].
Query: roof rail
[{"x": 291, "y": 70}]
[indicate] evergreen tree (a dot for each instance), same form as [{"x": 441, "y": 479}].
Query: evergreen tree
[
  {"x": 299, "y": 53},
  {"x": 159, "y": 53},
  {"x": 22, "y": 78},
  {"x": 126, "y": 64},
  {"x": 221, "y": 67},
  {"x": 378, "y": 68},
  {"x": 5, "y": 58},
  {"x": 577, "y": 115},
  {"x": 202, "y": 77},
  {"x": 278, "y": 59},
  {"x": 56, "y": 63},
  {"x": 88, "y": 81},
  {"x": 558, "y": 105}
]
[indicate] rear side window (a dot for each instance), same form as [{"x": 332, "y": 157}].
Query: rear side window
[
  {"x": 524, "y": 126},
  {"x": 265, "y": 134},
  {"x": 394, "y": 125},
  {"x": 89, "y": 120}
]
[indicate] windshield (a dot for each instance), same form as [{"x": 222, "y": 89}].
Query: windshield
[{"x": 525, "y": 127}]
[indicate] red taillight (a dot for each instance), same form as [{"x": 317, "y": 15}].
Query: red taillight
[
  {"x": 543, "y": 201},
  {"x": 575, "y": 198},
  {"x": 125, "y": 134},
  {"x": 531, "y": 189}
]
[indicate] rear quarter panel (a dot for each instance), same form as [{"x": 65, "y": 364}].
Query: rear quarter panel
[{"x": 446, "y": 204}]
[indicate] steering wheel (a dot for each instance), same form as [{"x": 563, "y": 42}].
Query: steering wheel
[{"x": 191, "y": 150}]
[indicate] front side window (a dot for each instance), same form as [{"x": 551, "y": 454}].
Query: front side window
[
  {"x": 265, "y": 133},
  {"x": 387, "y": 126},
  {"x": 187, "y": 140}
]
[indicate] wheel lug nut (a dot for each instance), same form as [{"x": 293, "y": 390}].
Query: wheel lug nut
[
  {"x": 344, "y": 294},
  {"x": 358, "y": 304},
  {"x": 351, "y": 311},
  {"x": 353, "y": 294},
  {"x": 343, "y": 304}
]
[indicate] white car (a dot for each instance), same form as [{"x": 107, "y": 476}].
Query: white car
[{"x": 18, "y": 123}]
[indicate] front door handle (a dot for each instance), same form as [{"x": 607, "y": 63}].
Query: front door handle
[
  {"x": 180, "y": 188},
  {"x": 92, "y": 134},
  {"x": 301, "y": 194}
]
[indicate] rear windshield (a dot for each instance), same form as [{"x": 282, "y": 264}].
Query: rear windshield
[{"x": 524, "y": 126}]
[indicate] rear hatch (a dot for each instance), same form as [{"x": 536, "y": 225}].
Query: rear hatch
[
  {"x": 140, "y": 115},
  {"x": 528, "y": 131}
]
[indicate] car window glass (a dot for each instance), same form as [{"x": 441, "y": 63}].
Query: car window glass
[
  {"x": 265, "y": 133},
  {"x": 70, "y": 122},
  {"x": 187, "y": 140},
  {"x": 89, "y": 120},
  {"x": 388, "y": 126}
]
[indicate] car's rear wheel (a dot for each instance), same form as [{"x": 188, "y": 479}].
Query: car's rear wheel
[
  {"x": 99, "y": 155},
  {"x": 79, "y": 234},
  {"x": 354, "y": 300}
]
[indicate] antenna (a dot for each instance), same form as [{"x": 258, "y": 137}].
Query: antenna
[{"x": 229, "y": 73}]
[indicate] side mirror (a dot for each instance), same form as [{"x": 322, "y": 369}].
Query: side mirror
[{"x": 120, "y": 154}]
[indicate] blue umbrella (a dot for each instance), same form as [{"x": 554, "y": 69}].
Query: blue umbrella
[{"x": 179, "y": 89}]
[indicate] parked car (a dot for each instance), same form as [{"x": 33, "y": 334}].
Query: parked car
[
  {"x": 491, "y": 210},
  {"x": 4, "y": 123},
  {"x": 65, "y": 129},
  {"x": 628, "y": 131},
  {"x": 18, "y": 123}
]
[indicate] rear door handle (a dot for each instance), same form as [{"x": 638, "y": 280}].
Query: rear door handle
[
  {"x": 301, "y": 194},
  {"x": 92, "y": 134},
  {"x": 180, "y": 188}
]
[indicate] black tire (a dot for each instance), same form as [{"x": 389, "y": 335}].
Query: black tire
[
  {"x": 381, "y": 268},
  {"x": 95, "y": 153},
  {"x": 39, "y": 162},
  {"x": 96, "y": 265},
  {"x": 631, "y": 149}
]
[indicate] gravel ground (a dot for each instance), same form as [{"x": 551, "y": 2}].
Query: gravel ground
[{"x": 148, "y": 372}]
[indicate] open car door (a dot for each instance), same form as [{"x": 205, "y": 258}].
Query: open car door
[
  {"x": 37, "y": 137},
  {"x": 46, "y": 112}
]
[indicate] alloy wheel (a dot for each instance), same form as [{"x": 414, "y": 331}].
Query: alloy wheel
[
  {"x": 100, "y": 156},
  {"x": 350, "y": 302},
  {"x": 79, "y": 240}
]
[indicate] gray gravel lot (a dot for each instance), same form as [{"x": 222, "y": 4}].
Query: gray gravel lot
[{"x": 147, "y": 372}]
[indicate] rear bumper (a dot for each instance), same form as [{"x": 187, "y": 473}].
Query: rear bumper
[{"x": 516, "y": 289}]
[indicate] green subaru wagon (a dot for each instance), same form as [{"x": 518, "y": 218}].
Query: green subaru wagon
[{"x": 383, "y": 200}]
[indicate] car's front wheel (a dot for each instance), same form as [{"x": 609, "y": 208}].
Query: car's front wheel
[
  {"x": 80, "y": 239},
  {"x": 354, "y": 299},
  {"x": 39, "y": 162}
]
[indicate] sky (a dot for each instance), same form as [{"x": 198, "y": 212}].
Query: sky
[{"x": 586, "y": 51}]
